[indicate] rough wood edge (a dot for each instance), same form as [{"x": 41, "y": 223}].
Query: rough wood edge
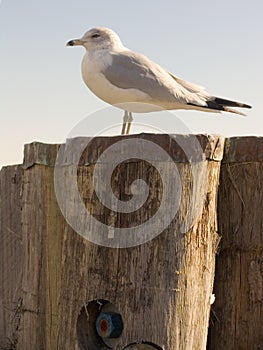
[
  {"x": 243, "y": 149},
  {"x": 211, "y": 148}
]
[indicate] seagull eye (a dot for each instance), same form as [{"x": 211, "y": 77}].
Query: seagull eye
[{"x": 96, "y": 35}]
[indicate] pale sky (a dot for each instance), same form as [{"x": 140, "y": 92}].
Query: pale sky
[{"x": 216, "y": 44}]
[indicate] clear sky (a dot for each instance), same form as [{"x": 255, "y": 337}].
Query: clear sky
[{"x": 217, "y": 44}]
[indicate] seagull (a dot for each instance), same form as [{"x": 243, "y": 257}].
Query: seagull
[{"x": 131, "y": 81}]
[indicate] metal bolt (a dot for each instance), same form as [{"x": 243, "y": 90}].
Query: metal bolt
[{"x": 109, "y": 325}]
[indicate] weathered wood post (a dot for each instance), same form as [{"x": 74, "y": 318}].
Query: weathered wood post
[
  {"x": 85, "y": 284},
  {"x": 10, "y": 254},
  {"x": 239, "y": 270}
]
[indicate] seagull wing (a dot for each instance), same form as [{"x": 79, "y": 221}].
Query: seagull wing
[
  {"x": 193, "y": 88},
  {"x": 131, "y": 70},
  {"x": 212, "y": 102}
]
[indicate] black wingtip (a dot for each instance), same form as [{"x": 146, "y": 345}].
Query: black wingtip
[
  {"x": 247, "y": 106},
  {"x": 229, "y": 103}
]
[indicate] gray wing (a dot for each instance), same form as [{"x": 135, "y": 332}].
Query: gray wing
[
  {"x": 133, "y": 70},
  {"x": 194, "y": 88}
]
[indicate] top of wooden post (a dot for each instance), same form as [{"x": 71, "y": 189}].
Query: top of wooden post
[
  {"x": 243, "y": 149},
  {"x": 214, "y": 147},
  {"x": 200, "y": 147}
]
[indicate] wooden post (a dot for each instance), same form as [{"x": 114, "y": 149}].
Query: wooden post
[
  {"x": 75, "y": 294},
  {"x": 238, "y": 309},
  {"x": 10, "y": 254}
]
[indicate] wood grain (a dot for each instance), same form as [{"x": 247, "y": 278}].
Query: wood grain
[
  {"x": 11, "y": 249},
  {"x": 161, "y": 288},
  {"x": 239, "y": 272}
]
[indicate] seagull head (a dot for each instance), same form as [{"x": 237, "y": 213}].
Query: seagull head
[{"x": 98, "y": 39}]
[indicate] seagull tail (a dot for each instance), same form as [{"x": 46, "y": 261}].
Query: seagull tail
[{"x": 221, "y": 104}]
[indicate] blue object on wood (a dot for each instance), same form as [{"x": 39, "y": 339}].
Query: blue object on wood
[{"x": 109, "y": 325}]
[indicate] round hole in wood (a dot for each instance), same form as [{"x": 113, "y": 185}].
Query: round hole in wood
[
  {"x": 92, "y": 323},
  {"x": 144, "y": 345}
]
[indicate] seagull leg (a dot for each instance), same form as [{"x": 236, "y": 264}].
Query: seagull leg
[
  {"x": 130, "y": 119},
  {"x": 124, "y": 123}
]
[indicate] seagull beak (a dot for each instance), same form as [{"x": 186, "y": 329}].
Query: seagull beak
[{"x": 75, "y": 42}]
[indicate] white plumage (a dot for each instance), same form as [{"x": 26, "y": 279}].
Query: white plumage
[{"x": 131, "y": 81}]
